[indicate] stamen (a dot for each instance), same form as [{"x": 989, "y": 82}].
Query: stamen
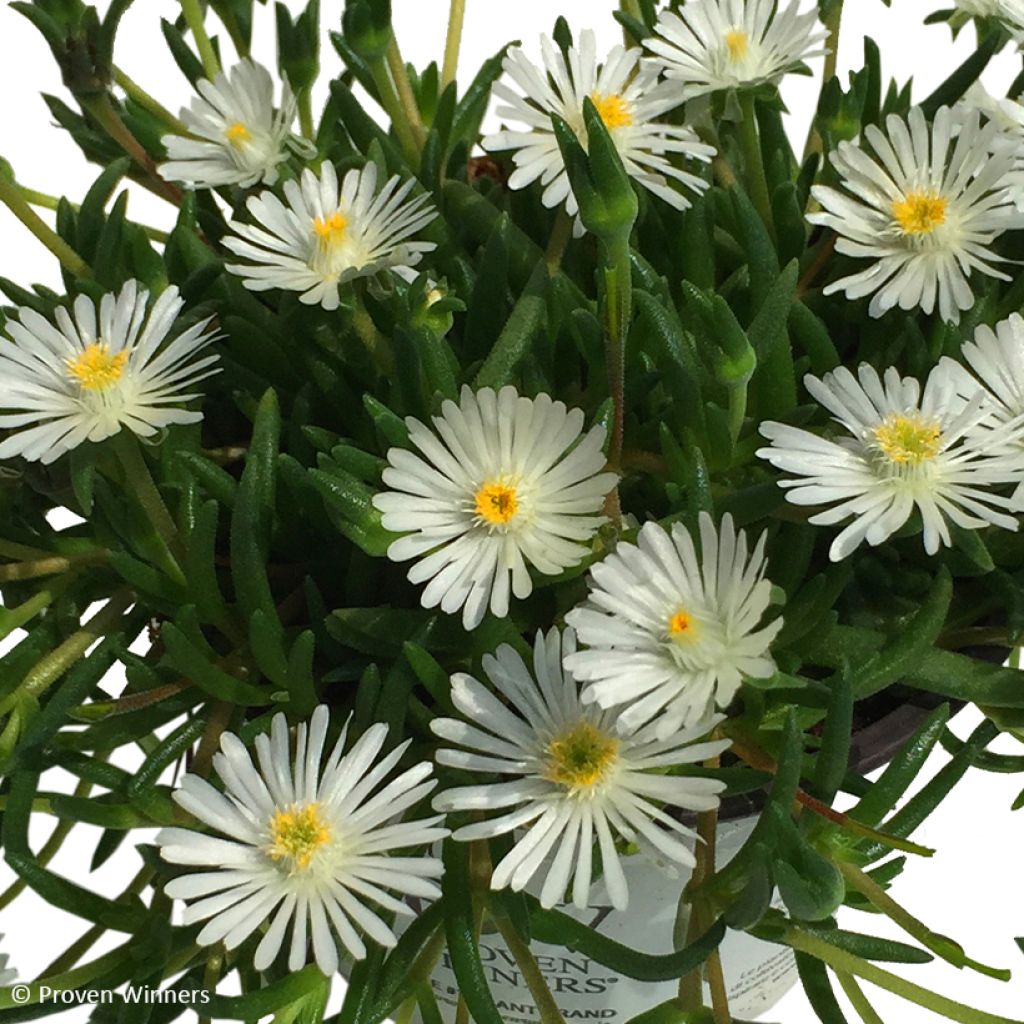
[
  {"x": 909, "y": 439},
  {"x": 497, "y": 503},
  {"x": 614, "y": 110},
  {"x": 920, "y": 213},
  {"x": 237, "y": 133},
  {"x": 581, "y": 757},
  {"x": 737, "y": 42},
  {"x": 96, "y": 369},
  {"x": 296, "y": 833}
]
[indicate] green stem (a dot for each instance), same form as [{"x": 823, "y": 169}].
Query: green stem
[
  {"x": 753, "y": 159},
  {"x": 52, "y": 666},
  {"x": 940, "y": 945},
  {"x": 54, "y": 565},
  {"x": 561, "y": 232},
  {"x": 393, "y": 108},
  {"x": 617, "y": 308},
  {"x": 194, "y": 17},
  {"x": 48, "y": 202},
  {"x": 737, "y": 410},
  {"x": 140, "y": 482},
  {"x": 376, "y": 343},
  {"x": 858, "y": 1000},
  {"x": 17, "y": 616},
  {"x": 530, "y": 970},
  {"x": 841, "y": 961},
  {"x": 453, "y": 40},
  {"x": 406, "y": 96},
  {"x": 145, "y": 100},
  {"x": 12, "y": 198},
  {"x": 212, "y": 973}
]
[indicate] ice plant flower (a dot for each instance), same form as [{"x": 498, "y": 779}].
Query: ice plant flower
[
  {"x": 905, "y": 450},
  {"x": 98, "y": 371},
  {"x": 670, "y": 634},
  {"x": 710, "y": 45},
  {"x": 629, "y": 98},
  {"x": 997, "y": 358},
  {"x": 570, "y": 776},
  {"x": 924, "y": 209},
  {"x": 308, "y": 844},
  {"x": 1008, "y": 115},
  {"x": 236, "y": 134},
  {"x": 324, "y": 236},
  {"x": 7, "y": 974},
  {"x": 503, "y": 482}
]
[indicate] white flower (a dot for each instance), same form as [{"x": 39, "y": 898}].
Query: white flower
[
  {"x": 925, "y": 209},
  {"x": 629, "y": 98},
  {"x": 906, "y": 451},
  {"x": 710, "y": 45},
  {"x": 979, "y": 8},
  {"x": 323, "y": 237},
  {"x": 1008, "y": 115},
  {"x": 7, "y": 974},
  {"x": 237, "y": 136},
  {"x": 670, "y": 634},
  {"x": 89, "y": 376},
  {"x": 308, "y": 844},
  {"x": 573, "y": 777},
  {"x": 503, "y": 481},
  {"x": 997, "y": 357}
]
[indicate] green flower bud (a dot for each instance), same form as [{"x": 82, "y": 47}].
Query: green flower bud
[
  {"x": 607, "y": 202},
  {"x": 367, "y": 27},
  {"x": 298, "y": 45}
]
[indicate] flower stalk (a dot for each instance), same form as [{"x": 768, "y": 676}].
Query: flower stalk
[
  {"x": 11, "y": 196},
  {"x": 453, "y": 41},
  {"x": 753, "y": 160},
  {"x": 194, "y": 17}
]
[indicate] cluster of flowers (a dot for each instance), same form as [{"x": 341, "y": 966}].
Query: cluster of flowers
[{"x": 500, "y": 484}]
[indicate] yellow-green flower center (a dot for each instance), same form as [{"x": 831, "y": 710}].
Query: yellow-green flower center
[
  {"x": 96, "y": 368},
  {"x": 909, "y": 439},
  {"x": 614, "y": 110},
  {"x": 237, "y": 133},
  {"x": 296, "y": 833},
  {"x": 581, "y": 757},
  {"x": 682, "y": 628},
  {"x": 497, "y": 503},
  {"x": 920, "y": 213},
  {"x": 737, "y": 43},
  {"x": 330, "y": 231}
]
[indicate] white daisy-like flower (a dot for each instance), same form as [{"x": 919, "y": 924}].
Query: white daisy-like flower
[
  {"x": 629, "y": 98},
  {"x": 924, "y": 209},
  {"x": 670, "y": 634},
  {"x": 1008, "y": 115},
  {"x": 710, "y": 45},
  {"x": 7, "y": 974},
  {"x": 90, "y": 375},
  {"x": 979, "y": 8},
  {"x": 1009, "y": 12},
  {"x": 237, "y": 135},
  {"x": 906, "y": 450},
  {"x": 324, "y": 236},
  {"x": 997, "y": 358},
  {"x": 503, "y": 482},
  {"x": 572, "y": 776},
  {"x": 308, "y": 844}
]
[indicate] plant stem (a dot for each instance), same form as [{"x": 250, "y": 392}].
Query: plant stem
[
  {"x": 753, "y": 160},
  {"x": 140, "y": 482},
  {"x": 109, "y": 120},
  {"x": 841, "y": 961},
  {"x": 857, "y": 998},
  {"x": 617, "y": 308},
  {"x": 405, "y": 94},
  {"x": 737, "y": 410},
  {"x": 561, "y": 232},
  {"x": 376, "y": 343},
  {"x": 940, "y": 945},
  {"x": 144, "y": 99},
  {"x": 12, "y": 198},
  {"x": 52, "y": 666},
  {"x": 48, "y": 202},
  {"x": 54, "y": 565},
  {"x": 194, "y": 17},
  {"x": 393, "y": 108},
  {"x": 528, "y": 967},
  {"x": 456, "y": 15}
]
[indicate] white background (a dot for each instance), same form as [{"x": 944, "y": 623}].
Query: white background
[{"x": 971, "y": 889}]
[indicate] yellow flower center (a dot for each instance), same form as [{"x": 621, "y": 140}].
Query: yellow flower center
[
  {"x": 296, "y": 833},
  {"x": 682, "y": 627},
  {"x": 581, "y": 757},
  {"x": 237, "y": 133},
  {"x": 909, "y": 440},
  {"x": 497, "y": 503},
  {"x": 614, "y": 110},
  {"x": 737, "y": 42},
  {"x": 330, "y": 230},
  {"x": 96, "y": 369},
  {"x": 920, "y": 213}
]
